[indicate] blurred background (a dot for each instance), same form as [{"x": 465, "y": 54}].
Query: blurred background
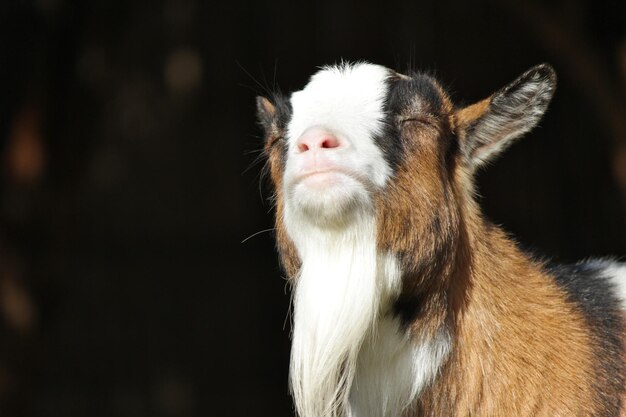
[{"x": 128, "y": 143}]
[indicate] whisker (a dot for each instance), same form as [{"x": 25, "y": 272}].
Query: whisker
[
  {"x": 289, "y": 315},
  {"x": 274, "y": 76},
  {"x": 253, "y": 151},
  {"x": 257, "y": 233},
  {"x": 261, "y": 86},
  {"x": 263, "y": 175},
  {"x": 258, "y": 159}
]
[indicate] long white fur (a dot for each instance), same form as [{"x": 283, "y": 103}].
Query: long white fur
[{"x": 336, "y": 302}]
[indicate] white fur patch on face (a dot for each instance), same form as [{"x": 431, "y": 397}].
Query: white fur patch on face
[
  {"x": 348, "y": 102},
  {"x": 616, "y": 273}
]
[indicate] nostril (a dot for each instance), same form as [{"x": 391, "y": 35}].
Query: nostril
[
  {"x": 302, "y": 147},
  {"x": 330, "y": 142}
]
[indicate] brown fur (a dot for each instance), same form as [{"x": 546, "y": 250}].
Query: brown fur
[
  {"x": 520, "y": 348},
  {"x": 470, "y": 114}
]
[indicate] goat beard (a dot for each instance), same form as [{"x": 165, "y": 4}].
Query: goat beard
[{"x": 336, "y": 303}]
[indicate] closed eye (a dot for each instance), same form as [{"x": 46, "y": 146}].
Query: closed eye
[{"x": 421, "y": 119}]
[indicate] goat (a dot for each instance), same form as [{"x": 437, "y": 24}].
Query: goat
[{"x": 407, "y": 301}]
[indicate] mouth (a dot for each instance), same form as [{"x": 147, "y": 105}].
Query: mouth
[
  {"x": 329, "y": 193},
  {"x": 322, "y": 178}
]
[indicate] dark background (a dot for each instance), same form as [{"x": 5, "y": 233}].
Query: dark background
[{"x": 126, "y": 131}]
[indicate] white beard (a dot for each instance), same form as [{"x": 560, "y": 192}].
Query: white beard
[
  {"x": 349, "y": 356},
  {"x": 337, "y": 300}
]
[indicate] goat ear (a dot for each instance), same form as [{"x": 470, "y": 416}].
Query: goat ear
[
  {"x": 488, "y": 127},
  {"x": 266, "y": 112}
]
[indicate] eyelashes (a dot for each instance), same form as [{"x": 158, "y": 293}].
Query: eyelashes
[{"x": 425, "y": 120}]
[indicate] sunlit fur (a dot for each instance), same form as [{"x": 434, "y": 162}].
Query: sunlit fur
[
  {"x": 337, "y": 300},
  {"x": 407, "y": 301}
]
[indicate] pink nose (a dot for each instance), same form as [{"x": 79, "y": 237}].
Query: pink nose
[{"x": 316, "y": 139}]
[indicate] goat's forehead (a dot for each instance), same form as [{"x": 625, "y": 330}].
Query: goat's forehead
[{"x": 348, "y": 99}]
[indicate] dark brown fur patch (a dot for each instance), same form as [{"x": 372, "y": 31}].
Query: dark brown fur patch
[{"x": 418, "y": 220}]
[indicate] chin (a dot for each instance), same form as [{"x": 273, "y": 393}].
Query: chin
[{"x": 329, "y": 199}]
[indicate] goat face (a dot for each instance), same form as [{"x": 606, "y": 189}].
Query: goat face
[
  {"x": 372, "y": 176},
  {"x": 364, "y": 140}
]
